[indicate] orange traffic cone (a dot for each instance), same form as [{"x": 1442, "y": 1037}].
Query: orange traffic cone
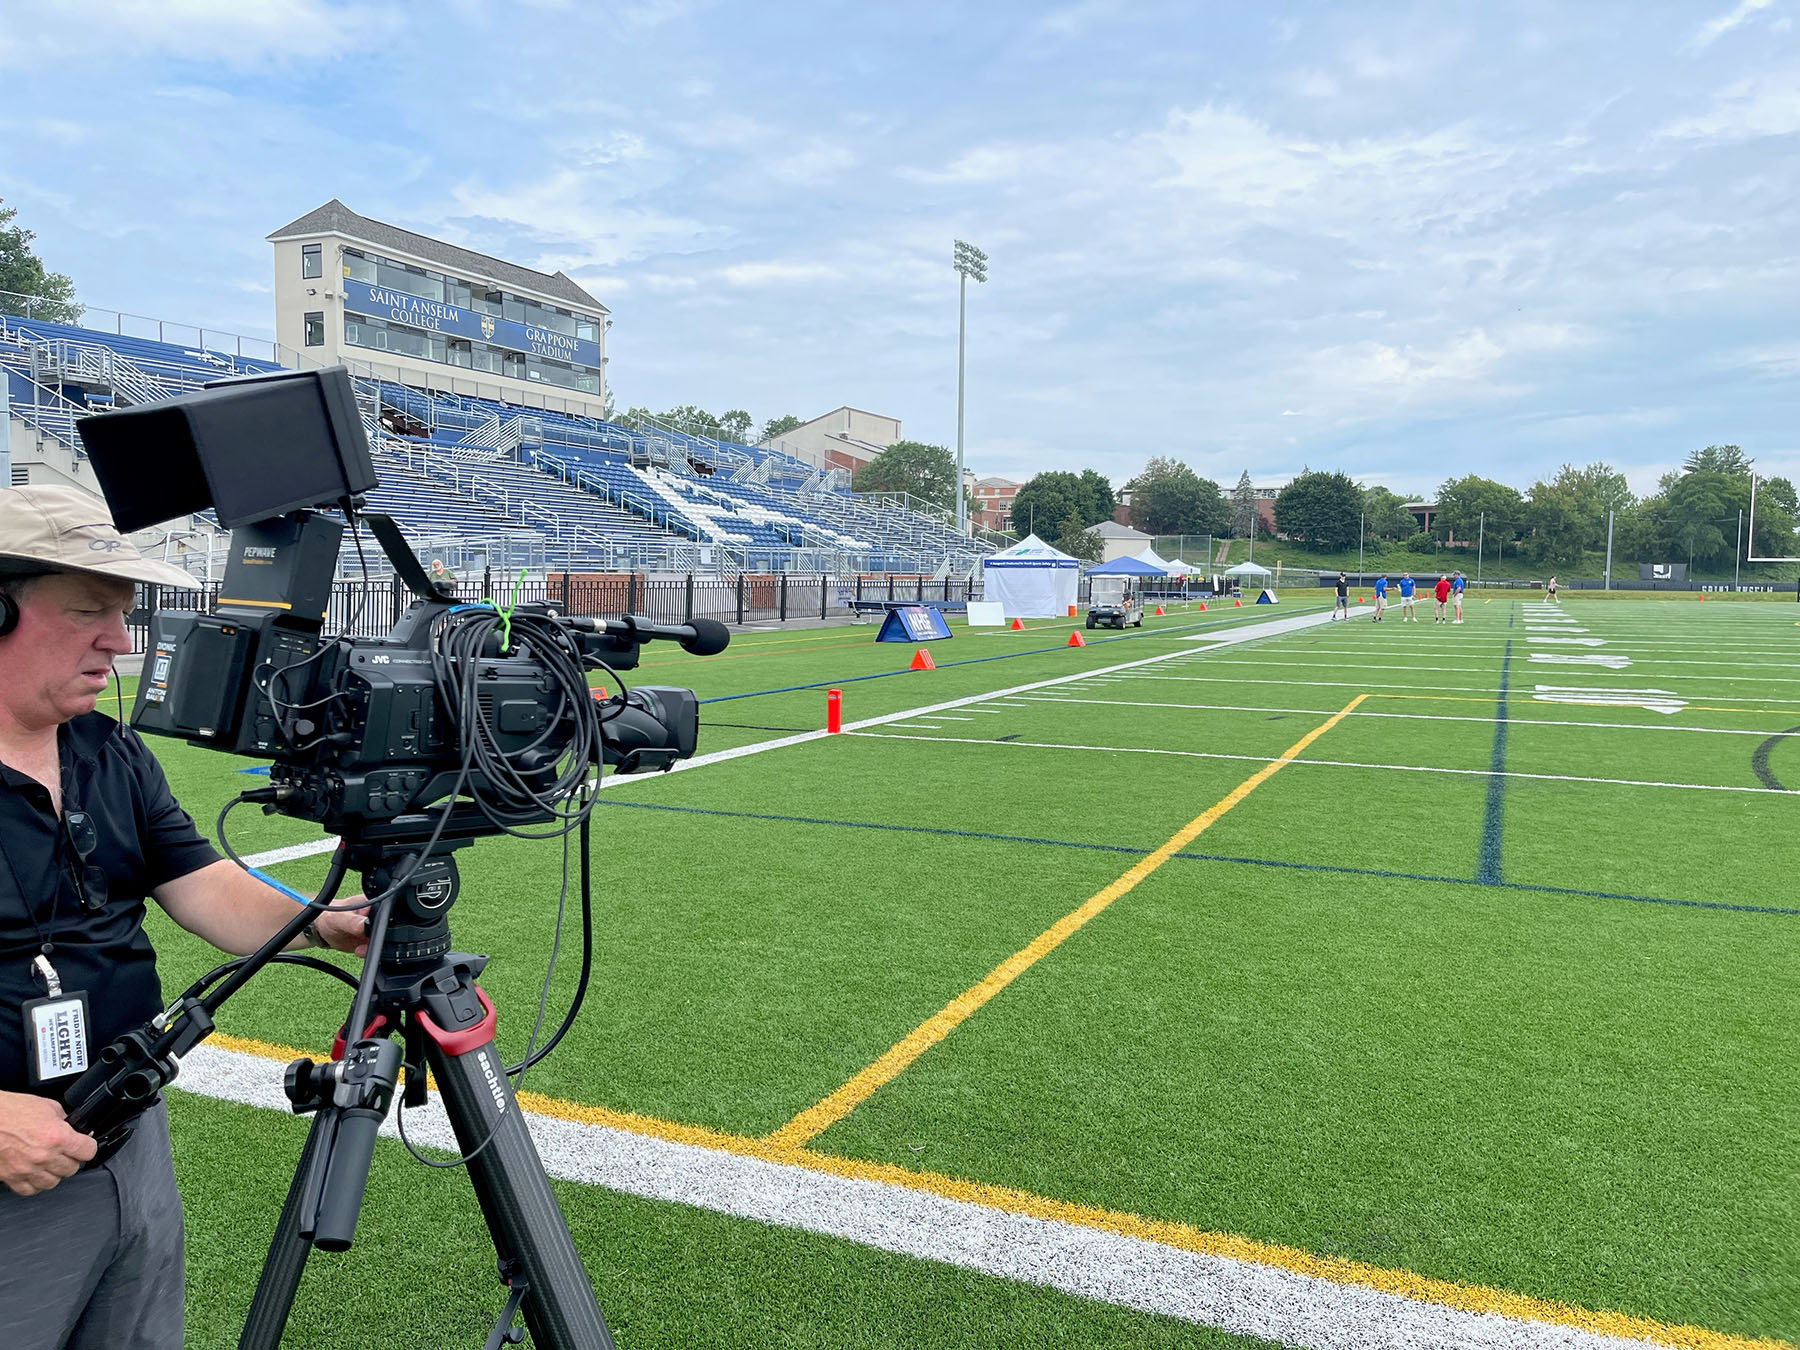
[
  {"x": 1018, "y": 624},
  {"x": 922, "y": 661},
  {"x": 1203, "y": 606},
  {"x": 1076, "y": 640},
  {"x": 1159, "y": 609},
  {"x": 1703, "y": 597},
  {"x": 1237, "y": 604}
]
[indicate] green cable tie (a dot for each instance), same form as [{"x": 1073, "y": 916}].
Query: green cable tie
[{"x": 506, "y": 614}]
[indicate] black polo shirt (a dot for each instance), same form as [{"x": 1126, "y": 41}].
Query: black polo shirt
[{"x": 143, "y": 838}]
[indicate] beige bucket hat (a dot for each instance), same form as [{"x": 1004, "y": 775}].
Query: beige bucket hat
[{"x": 64, "y": 529}]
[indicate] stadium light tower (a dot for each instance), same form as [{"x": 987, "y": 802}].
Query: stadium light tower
[{"x": 968, "y": 261}]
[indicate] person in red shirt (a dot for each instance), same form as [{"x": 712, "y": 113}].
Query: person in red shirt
[{"x": 1443, "y": 600}]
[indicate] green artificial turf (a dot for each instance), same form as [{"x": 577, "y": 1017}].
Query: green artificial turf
[
  {"x": 421, "y": 1274},
  {"x": 1573, "y": 1095}
]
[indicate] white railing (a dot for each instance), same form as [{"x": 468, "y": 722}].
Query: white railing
[{"x": 119, "y": 324}]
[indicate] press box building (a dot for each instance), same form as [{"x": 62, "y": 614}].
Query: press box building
[{"x": 421, "y": 312}]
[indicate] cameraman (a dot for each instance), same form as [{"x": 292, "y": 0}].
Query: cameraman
[{"x": 88, "y": 831}]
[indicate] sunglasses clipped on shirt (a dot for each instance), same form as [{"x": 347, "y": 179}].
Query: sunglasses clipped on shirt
[{"x": 89, "y": 878}]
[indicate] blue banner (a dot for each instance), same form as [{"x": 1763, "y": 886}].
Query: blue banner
[{"x": 381, "y": 302}]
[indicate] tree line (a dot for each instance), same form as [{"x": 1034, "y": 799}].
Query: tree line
[
  {"x": 1558, "y": 521},
  {"x": 734, "y": 425}
]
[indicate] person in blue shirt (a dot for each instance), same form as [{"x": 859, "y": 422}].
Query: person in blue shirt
[
  {"x": 1407, "y": 586},
  {"x": 1458, "y": 583},
  {"x": 1380, "y": 596}
]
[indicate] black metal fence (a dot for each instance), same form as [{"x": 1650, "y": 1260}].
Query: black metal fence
[{"x": 372, "y": 608}]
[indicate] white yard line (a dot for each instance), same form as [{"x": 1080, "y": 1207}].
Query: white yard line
[
  {"x": 1446, "y": 688},
  {"x": 1337, "y": 764},
  {"x": 1087, "y": 1260},
  {"x": 1284, "y": 663},
  {"x": 1414, "y": 717},
  {"x": 291, "y": 852}
]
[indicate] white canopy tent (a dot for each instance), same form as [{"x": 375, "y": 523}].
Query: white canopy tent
[
  {"x": 1175, "y": 567},
  {"x": 1249, "y": 574},
  {"x": 1032, "y": 580}
]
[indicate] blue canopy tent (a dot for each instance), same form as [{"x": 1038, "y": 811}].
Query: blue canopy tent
[
  {"x": 1126, "y": 567},
  {"x": 1111, "y": 583}
]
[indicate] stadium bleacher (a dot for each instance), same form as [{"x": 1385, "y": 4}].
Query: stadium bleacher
[{"x": 601, "y": 495}]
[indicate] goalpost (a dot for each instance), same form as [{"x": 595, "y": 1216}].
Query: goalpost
[{"x": 1751, "y": 555}]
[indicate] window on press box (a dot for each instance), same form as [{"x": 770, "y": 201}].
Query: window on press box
[
  {"x": 315, "y": 329},
  {"x": 312, "y": 261}
]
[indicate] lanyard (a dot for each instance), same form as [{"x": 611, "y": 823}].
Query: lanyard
[{"x": 41, "y": 968}]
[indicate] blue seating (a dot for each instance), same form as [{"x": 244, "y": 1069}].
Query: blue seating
[{"x": 602, "y": 495}]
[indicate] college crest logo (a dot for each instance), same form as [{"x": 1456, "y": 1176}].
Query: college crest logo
[{"x": 487, "y": 325}]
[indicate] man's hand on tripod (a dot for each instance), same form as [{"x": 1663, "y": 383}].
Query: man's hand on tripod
[
  {"x": 345, "y": 930},
  {"x": 37, "y": 1146}
]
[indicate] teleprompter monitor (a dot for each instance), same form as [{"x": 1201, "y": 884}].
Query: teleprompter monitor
[{"x": 249, "y": 448}]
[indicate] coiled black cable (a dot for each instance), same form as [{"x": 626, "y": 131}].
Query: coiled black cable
[{"x": 524, "y": 785}]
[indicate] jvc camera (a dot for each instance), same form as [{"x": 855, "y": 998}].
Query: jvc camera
[{"x": 457, "y": 700}]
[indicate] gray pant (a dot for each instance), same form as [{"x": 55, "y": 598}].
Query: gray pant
[{"x": 96, "y": 1261}]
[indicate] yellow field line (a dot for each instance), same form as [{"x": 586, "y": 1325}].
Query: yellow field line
[
  {"x": 823, "y": 1114},
  {"x": 1472, "y": 1298}
]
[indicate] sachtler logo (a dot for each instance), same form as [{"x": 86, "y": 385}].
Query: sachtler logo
[{"x": 493, "y": 1081}]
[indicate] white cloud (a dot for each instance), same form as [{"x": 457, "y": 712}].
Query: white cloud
[
  {"x": 1068, "y": 21},
  {"x": 651, "y": 14},
  {"x": 1313, "y": 84},
  {"x": 775, "y": 273},
  {"x": 1766, "y": 104},
  {"x": 233, "y": 33},
  {"x": 1714, "y": 29},
  {"x": 568, "y": 212},
  {"x": 1776, "y": 361}
]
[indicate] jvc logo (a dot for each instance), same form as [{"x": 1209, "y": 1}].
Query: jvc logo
[{"x": 493, "y": 1081}]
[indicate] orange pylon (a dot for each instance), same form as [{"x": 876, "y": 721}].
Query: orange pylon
[
  {"x": 1203, "y": 606},
  {"x": 1159, "y": 609},
  {"x": 1237, "y": 604},
  {"x": 922, "y": 661},
  {"x": 1076, "y": 640},
  {"x": 1018, "y": 624},
  {"x": 1071, "y": 611}
]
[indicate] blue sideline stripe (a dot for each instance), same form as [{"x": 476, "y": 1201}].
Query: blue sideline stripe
[
  {"x": 1193, "y": 857},
  {"x": 1487, "y": 864},
  {"x": 968, "y": 661}
]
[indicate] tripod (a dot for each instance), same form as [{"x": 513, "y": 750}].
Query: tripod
[{"x": 416, "y": 987}]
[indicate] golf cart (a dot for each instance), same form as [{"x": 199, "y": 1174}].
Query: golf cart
[{"x": 1114, "y": 603}]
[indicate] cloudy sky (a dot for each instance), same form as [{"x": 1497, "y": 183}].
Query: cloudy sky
[{"x": 1405, "y": 241}]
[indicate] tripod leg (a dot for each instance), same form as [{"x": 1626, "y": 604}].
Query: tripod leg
[
  {"x": 286, "y": 1262},
  {"x": 515, "y": 1195}
]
